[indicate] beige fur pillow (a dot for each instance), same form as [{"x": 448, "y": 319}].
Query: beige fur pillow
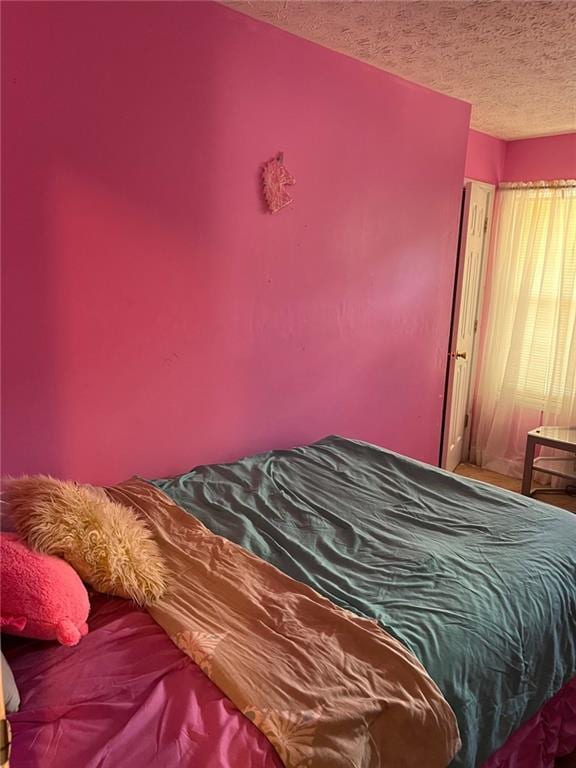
[{"x": 108, "y": 545}]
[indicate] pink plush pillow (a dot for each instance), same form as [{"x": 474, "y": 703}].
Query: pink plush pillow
[{"x": 40, "y": 596}]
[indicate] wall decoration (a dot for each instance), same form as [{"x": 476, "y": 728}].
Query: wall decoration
[{"x": 275, "y": 177}]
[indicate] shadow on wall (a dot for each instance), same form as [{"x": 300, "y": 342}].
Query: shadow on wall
[{"x": 107, "y": 232}]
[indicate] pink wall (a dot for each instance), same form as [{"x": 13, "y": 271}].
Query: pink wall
[
  {"x": 154, "y": 315},
  {"x": 550, "y": 157},
  {"x": 485, "y": 156},
  {"x": 494, "y": 160}
]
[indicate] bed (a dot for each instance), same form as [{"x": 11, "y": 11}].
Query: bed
[{"x": 473, "y": 590}]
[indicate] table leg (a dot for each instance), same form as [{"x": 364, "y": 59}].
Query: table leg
[{"x": 528, "y": 463}]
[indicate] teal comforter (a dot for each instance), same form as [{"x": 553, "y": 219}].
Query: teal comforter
[{"x": 478, "y": 583}]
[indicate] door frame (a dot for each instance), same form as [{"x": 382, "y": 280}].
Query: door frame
[{"x": 456, "y": 295}]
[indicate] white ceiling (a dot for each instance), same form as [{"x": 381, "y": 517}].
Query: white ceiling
[{"x": 515, "y": 62}]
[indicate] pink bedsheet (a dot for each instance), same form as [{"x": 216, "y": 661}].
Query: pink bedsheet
[
  {"x": 125, "y": 696},
  {"x": 550, "y": 734}
]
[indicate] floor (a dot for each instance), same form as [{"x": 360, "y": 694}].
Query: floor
[{"x": 510, "y": 483}]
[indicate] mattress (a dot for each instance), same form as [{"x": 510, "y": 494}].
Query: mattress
[{"x": 479, "y": 584}]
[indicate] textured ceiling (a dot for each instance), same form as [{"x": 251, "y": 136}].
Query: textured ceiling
[{"x": 514, "y": 61}]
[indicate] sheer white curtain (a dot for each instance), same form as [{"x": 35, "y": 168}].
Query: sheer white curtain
[{"x": 528, "y": 368}]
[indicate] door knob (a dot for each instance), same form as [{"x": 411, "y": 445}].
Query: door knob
[{"x": 458, "y": 354}]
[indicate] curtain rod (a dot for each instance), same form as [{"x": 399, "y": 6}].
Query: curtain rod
[{"x": 556, "y": 184}]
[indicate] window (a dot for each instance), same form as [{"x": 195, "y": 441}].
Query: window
[{"x": 542, "y": 303}]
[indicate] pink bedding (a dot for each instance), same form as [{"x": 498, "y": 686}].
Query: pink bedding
[
  {"x": 126, "y": 695},
  {"x": 549, "y": 735}
]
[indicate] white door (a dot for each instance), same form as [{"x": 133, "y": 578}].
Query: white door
[{"x": 477, "y": 200}]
